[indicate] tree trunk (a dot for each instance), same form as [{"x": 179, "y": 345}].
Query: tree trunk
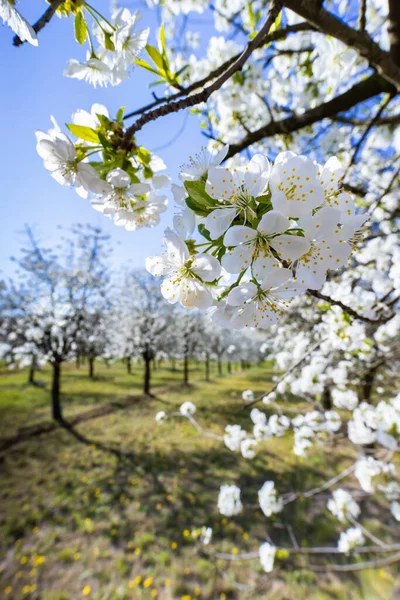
[
  {"x": 229, "y": 367},
  {"x": 326, "y": 399},
  {"x": 219, "y": 367},
  {"x": 91, "y": 367},
  {"x": 147, "y": 374},
  {"x": 129, "y": 365},
  {"x": 368, "y": 384},
  {"x": 55, "y": 392},
  {"x": 173, "y": 364},
  {"x": 207, "y": 363},
  {"x": 32, "y": 369},
  {"x": 78, "y": 361},
  {"x": 186, "y": 369}
]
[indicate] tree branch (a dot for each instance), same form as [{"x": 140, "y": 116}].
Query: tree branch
[
  {"x": 394, "y": 30},
  {"x": 42, "y": 22},
  {"x": 328, "y": 24},
  {"x": 368, "y": 88},
  {"x": 348, "y": 309},
  {"x": 274, "y": 36},
  {"x": 203, "y": 96}
]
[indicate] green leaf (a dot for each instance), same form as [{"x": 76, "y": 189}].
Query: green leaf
[
  {"x": 84, "y": 133},
  {"x": 204, "y": 232},
  {"x": 80, "y": 27},
  {"x": 143, "y": 155},
  {"x": 104, "y": 121},
  {"x": 120, "y": 113},
  {"x": 142, "y": 63},
  {"x": 264, "y": 199},
  {"x": 196, "y": 207},
  {"x": 108, "y": 41},
  {"x": 147, "y": 172},
  {"x": 197, "y": 191},
  {"x": 104, "y": 142},
  {"x": 162, "y": 39},
  {"x": 156, "y": 56}
]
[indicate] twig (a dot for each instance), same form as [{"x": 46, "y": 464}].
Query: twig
[
  {"x": 362, "y": 18},
  {"x": 42, "y": 22},
  {"x": 348, "y": 309},
  {"x": 320, "y": 488},
  {"x": 203, "y": 96},
  {"x": 271, "y": 37},
  {"x": 367, "y": 130},
  {"x": 288, "y": 372}
]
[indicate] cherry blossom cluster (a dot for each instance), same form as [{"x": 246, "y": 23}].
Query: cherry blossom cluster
[
  {"x": 269, "y": 233},
  {"x": 119, "y": 42},
  {"x": 121, "y": 183}
]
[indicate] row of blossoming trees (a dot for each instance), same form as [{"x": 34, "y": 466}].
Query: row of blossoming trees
[
  {"x": 63, "y": 305},
  {"x": 265, "y": 237}
]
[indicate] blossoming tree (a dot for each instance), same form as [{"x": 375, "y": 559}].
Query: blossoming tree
[{"x": 299, "y": 100}]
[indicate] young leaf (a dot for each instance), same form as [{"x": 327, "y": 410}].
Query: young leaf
[
  {"x": 120, "y": 113},
  {"x": 155, "y": 56},
  {"x": 80, "y": 27},
  {"x": 108, "y": 42},
  {"x": 142, "y": 63},
  {"x": 162, "y": 39},
  {"x": 143, "y": 155},
  {"x": 197, "y": 191},
  {"x": 196, "y": 207},
  {"x": 204, "y": 232},
  {"x": 84, "y": 133}
]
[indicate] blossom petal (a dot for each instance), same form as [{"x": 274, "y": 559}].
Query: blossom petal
[
  {"x": 218, "y": 221},
  {"x": 239, "y": 234},
  {"x": 238, "y": 259},
  {"x": 238, "y": 295},
  {"x": 207, "y": 267},
  {"x": 273, "y": 222},
  {"x": 290, "y": 247}
]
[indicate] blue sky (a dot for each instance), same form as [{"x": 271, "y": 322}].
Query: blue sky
[{"x": 33, "y": 88}]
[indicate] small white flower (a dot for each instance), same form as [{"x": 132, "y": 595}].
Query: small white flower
[
  {"x": 206, "y": 535},
  {"x": 269, "y": 502},
  {"x": 342, "y": 505},
  {"x": 262, "y": 305},
  {"x": 94, "y": 71},
  {"x": 235, "y": 189},
  {"x": 201, "y": 163},
  {"x": 247, "y": 448},
  {"x": 233, "y": 437},
  {"x": 257, "y": 246},
  {"x": 186, "y": 274},
  {"x": 59, "y": 156},
  {"x": 161, "y": 416},
  {"x": 267, "y": 555},
  {"x": 350, "y": 539},
  {"x": 17, "y": 22},
  {"x": 229, "y": 503},
  {"x": 187, "y": 409},
  {"x": 248, "y": 396},
  {"x": 344, "y": 399}
]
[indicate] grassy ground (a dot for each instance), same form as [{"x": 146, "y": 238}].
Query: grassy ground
[{"x": 109, "y": 510}]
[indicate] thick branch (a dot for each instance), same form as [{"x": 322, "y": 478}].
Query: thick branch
[
  {"x": 42, "y": 22},
  {"x": 328, "y": 24},
  {"x": 206, "y": 92},
  {"x": 368, "y": 88},
  {"x": 394, "y": 30},
  {"x": 347, "y": 309}
]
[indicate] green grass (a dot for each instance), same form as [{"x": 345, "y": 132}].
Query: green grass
[{"x": 114, "y": 513}]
